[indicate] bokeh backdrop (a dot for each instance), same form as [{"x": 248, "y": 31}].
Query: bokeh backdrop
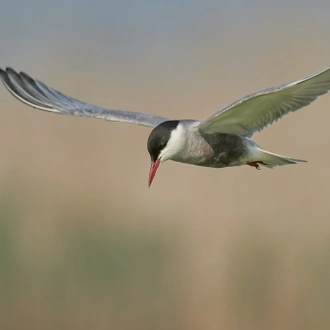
[{"x": 85, "y": 244}]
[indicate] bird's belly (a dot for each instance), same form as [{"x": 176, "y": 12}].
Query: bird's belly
[
  {"x": 217, "y": 150},
  {"x": 206, "y": 161}
]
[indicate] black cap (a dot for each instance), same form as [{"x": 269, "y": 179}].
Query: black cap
[{"x": 159, "y": 137}]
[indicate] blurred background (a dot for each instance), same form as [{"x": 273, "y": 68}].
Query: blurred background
[{"x": 85, "y": 244}]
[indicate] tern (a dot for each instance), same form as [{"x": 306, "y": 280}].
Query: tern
[{"x": 222, "y": 140}]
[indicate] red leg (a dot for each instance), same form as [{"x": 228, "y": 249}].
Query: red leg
[{"x": 255, "y": 164}]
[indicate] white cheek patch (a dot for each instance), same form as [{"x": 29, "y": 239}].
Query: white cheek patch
[{"x": 175, "y": 143}]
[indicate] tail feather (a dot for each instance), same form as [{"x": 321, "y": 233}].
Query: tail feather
[{"x": 271, "y": 160}]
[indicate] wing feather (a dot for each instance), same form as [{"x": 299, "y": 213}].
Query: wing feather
[
  {"x": 254, "y": 112},
  {"x": 36, "y": 94}
]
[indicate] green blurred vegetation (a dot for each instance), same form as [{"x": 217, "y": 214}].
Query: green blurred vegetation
[
  {"x": 94, "y": 276},
  {"x": 98, "y": 272}
]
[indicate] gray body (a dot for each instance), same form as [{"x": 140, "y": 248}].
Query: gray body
[{"x": 211, "y": 150}]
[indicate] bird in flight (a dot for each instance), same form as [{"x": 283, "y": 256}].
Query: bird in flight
[{"x": 222, "y": 140}]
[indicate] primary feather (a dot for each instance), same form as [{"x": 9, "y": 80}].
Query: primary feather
[{"x": 36, "y": 94}]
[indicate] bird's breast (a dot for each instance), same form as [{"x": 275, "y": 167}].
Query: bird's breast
[{"x": 213, "y": 150}]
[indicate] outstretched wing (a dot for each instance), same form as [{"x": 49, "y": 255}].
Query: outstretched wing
[
  {"x": 36, "y": 94},
  {"x": 254, "y": 112}
]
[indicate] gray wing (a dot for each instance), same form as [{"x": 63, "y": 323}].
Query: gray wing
[
  {"x": 36, "y": 94},
  {"x": 252, "y": 113}
]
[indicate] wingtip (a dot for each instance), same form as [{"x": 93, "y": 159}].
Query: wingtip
[
  {"x": 7, "y": 73},
  {"x": 3, "y": 74},
  {"x": 25, "y": 76},
  {"x": 10, "y": 70}
]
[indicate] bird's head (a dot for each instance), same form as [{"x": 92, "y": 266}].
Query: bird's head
[{"x": 164, "y": 142}]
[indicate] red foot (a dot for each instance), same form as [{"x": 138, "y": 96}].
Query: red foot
[{"x": 256, "y": 164}]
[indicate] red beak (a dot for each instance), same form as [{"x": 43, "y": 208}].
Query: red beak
[{"x": 153, "y": 170}]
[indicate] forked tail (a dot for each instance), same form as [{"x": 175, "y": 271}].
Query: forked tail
[{"x": 270, "y": 160}]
